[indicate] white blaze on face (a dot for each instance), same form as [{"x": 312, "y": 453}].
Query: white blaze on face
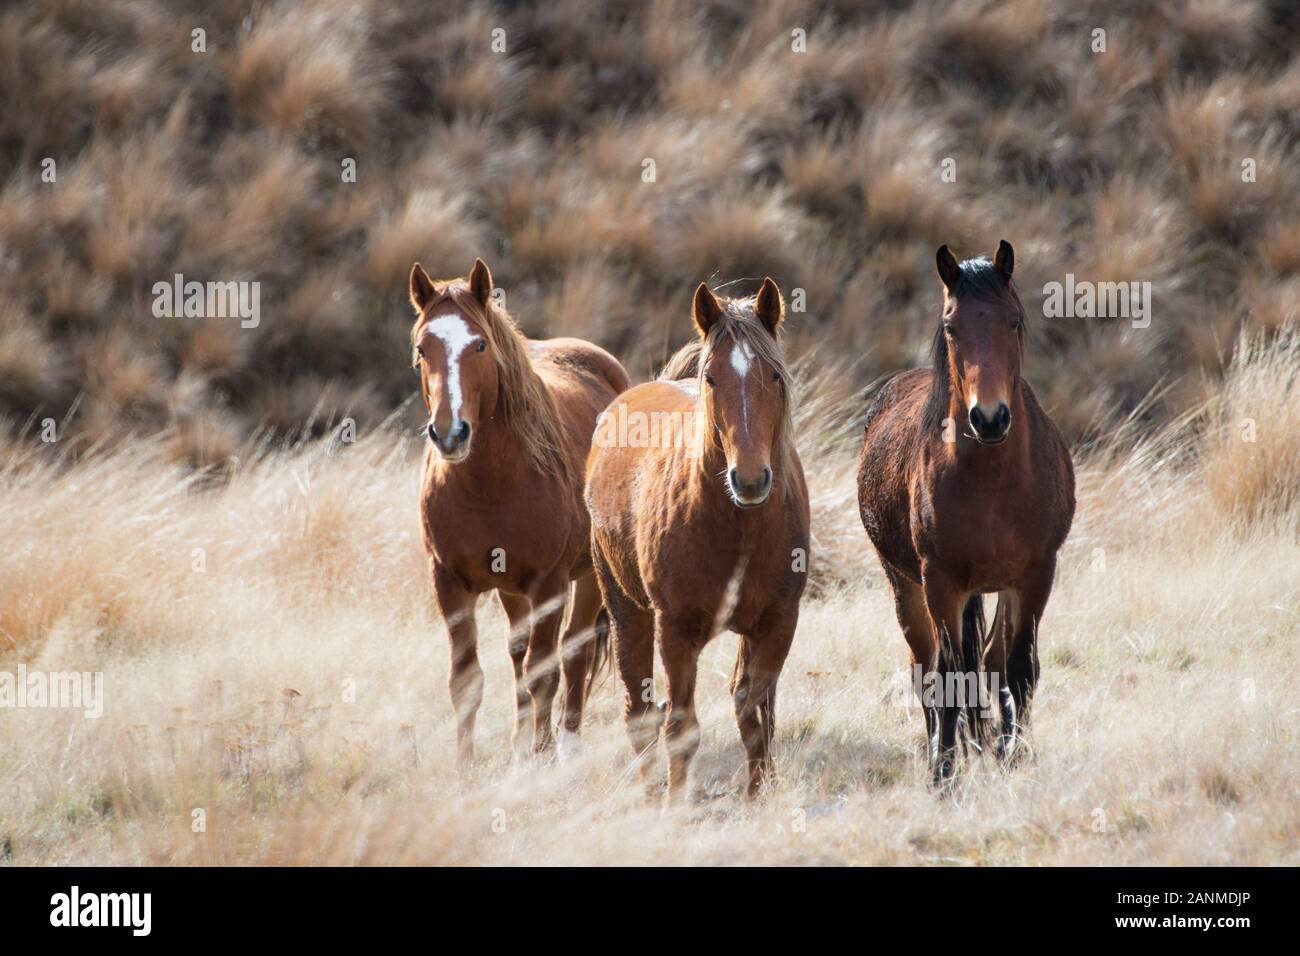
[
  {"x": 989, "y": 409},
  {"x": 454, "y": 333},
  {"x": 742, "y": 355}
]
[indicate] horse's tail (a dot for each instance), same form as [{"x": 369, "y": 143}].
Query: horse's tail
[
  {"x": 601, "y": 660},
  {"x": 974, "y": 628}
]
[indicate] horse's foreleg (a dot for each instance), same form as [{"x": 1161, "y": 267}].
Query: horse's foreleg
[
  {"x": 945, "y": 603},
  {"x": 679, "y": 645},
  {"x": 632, "y": 635},
  {"x": 1001, "y": 638},
  {"x": 1022, "y": 669},
  {"x": 541, "y": 667},
  {"x": 518, "y": 612},
  {"x": 578, "y": 650},
  {"x": 918, "y": 630},
  {"x": 753, "y": 687},
  {"x": 465, "y": 676}
]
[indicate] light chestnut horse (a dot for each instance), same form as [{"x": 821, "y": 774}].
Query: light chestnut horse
[
  {"x": 510, "y": 424},
  {"x": 965, "y": 487},
  {"x": 699, "y": 523}
]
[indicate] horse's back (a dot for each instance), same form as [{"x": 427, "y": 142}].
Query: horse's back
[
  {"x": 584, "y": 379},
  {"x": 568, "y": 363}
]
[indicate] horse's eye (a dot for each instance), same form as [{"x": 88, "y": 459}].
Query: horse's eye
[
  {"x": 482, "y": 346},
  {"x": 949, "y": 331},
  {"x": 708, "y": 379},
  {"x": 776, "y": 376}
]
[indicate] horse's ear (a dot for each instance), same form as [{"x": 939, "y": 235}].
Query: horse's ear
[
  {"x": 480, "y": 281},
  {"x": 947, "y": 264},
  {"x": 421, "y": 288},
  {"x": 705, "y": 309},
  {"x": 1005, "y": 260},
  {"x": 769, "y": 307}
]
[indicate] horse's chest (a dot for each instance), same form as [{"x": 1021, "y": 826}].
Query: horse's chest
[
  {"x": 511, "y": 544},
  {"x": 737, "y": 577},
  {"x": 987, "y": 540}
]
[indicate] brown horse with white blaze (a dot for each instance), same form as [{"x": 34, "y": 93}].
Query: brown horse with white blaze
[
  {"x": 966, "y": 488},
  {"x": 510, "y": 423},
  {"x": 699, "y": 523}
]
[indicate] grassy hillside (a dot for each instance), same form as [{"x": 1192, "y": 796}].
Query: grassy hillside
[{"x": 823, "y": 168}]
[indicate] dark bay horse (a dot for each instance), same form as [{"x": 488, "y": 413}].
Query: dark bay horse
[
  {"x": 966, "y": 488},
  {"x": 699, "y": 523},
  {"x": 510, "y": 424}
]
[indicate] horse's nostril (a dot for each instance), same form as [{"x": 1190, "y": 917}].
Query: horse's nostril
[
  {"x": 767, "y": 477},
  {"x": 734, "y": 478},
  {"x": 977, "y": 418},
  {"x": 1003, "y": 419},
  {"x": 433, "y": 433},
  {"x": 462, "y": 434}
]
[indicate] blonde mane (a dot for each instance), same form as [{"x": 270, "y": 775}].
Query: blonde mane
[
  {"x": 739, "y": 323},
  {"x": 527, "y": 405}
]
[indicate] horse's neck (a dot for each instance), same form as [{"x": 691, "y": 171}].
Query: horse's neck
[
  {"x": 496, "y": 464},
  {"x": 992, "y": 460},
  {"x": 709, "y": 490}
]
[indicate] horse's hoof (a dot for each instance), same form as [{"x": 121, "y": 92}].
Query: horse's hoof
[
  {"x": 1013, "y": 751},
  {"x": 945, "y": 775},
  {"x": 569, "y": 746}
]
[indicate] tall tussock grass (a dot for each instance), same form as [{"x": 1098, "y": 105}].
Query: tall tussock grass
[{"x": 126, "y": 543}]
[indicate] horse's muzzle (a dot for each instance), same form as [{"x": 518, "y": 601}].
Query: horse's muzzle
[
  {"x": 749, "y": 494},
  {"x": 991, "y": 429},
  {"x": 453, "y": 447}
]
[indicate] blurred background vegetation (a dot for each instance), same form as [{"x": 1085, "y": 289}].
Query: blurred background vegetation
[{"x": 820, "y": 168}]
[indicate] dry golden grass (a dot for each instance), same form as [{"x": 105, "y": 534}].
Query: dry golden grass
[{"x": 270, "y": 658}]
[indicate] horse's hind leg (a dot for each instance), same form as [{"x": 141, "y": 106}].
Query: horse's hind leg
[
  {"x": 578, "y": 650},
  {"x": 759, "y": 660},
  {"x": 519, "y": 612}
]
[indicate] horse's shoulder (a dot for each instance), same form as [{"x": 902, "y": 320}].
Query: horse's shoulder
[
  {"x": 1036, "y": 411},
  {"x": 1053, "y": 456}
]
